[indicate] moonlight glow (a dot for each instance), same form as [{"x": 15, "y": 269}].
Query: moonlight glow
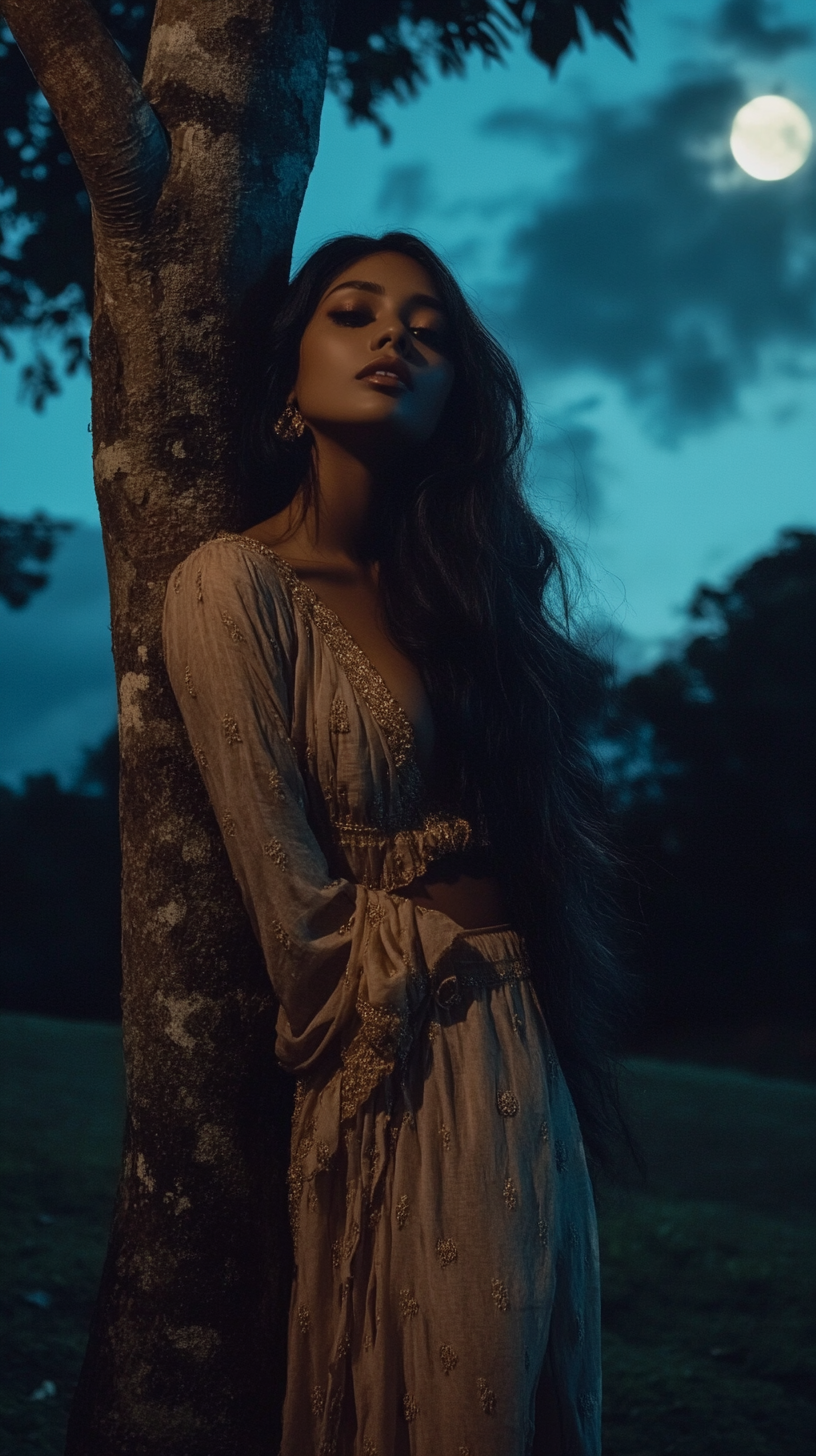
[{"x": 771, "y": 138}]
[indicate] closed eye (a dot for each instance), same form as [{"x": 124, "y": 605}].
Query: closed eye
[
  {"x": 351, "y": 318},
  {"x": 434, "y": 338}
]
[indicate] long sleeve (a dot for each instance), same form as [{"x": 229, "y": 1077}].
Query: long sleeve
[{"x": 344, "y": 960}]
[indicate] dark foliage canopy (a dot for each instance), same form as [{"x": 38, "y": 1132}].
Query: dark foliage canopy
[
  {"x": 23, "y": 542},
  {"x": 381, "y": 49},
  {"x": 717, "y": 795}
]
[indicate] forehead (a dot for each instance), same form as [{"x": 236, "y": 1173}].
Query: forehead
[{"x": 390, "y": 275}]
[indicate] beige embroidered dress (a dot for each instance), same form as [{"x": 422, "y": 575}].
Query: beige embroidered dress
[{"x": 444, "y": 1228}]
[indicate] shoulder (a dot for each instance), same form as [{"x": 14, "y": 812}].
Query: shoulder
[
  {"x": 231, "y": 575},
  {"x": 229, "y": 564}
]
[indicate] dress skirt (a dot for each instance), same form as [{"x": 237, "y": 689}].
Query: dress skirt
[{"x": 447, "y": 1251}]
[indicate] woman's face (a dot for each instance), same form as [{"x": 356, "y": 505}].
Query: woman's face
[{"x": 375, "y": 356}]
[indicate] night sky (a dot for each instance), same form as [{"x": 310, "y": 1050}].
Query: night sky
[{"x": 659, "y": 302}]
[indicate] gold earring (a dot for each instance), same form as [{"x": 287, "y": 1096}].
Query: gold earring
[{"x": 290, "y": 424}]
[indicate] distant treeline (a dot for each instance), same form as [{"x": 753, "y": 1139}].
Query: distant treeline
[
  {"x": 711, "y": 758},
  {"x": 710, "y": 762},
  {"x": 59, "y": 893}
]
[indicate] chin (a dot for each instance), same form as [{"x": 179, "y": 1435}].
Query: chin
[{"x": 379, "y": 420}]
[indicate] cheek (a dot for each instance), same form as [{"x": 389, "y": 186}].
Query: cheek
[
  {"x": 308, "y": 376},
  {"x": 323, "y": 369}
]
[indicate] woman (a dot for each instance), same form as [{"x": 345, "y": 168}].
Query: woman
[{"x": 388, "y": 721}]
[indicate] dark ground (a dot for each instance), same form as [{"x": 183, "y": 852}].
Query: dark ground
[{"x": 708, "y": 1270}]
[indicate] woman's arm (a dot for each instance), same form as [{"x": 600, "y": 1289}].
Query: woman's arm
[
  {"x": 332, "y": 948},
  {"x": 226, "y": 641}
]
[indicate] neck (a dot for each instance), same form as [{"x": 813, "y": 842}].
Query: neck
[
  {"x": 340, "y": 526},
  {"x": 347, "y": 490}
]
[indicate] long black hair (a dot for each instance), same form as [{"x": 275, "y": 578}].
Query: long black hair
[{"x": 474, "y": 594}]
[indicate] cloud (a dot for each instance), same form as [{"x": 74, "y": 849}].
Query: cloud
[
  {"x": 566, "y": 463},
  {"x": 749, "y": 25},
  {"x": 529, "y": 123},
  {"x": 661, "y": 264},
  {"x": 58, "y": 695},
  {"x": 406, "y": 191}
]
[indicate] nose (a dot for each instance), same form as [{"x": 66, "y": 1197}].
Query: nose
[{"x": 394, "y": 333}]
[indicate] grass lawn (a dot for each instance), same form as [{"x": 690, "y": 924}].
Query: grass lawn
[{"x": 709, "y": 1299}]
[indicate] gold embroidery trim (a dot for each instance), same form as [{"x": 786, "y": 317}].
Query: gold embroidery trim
[
  {"x": 274, "y": 850},
  {"x": 375, "y": 913},
  {"x": 444, "y": 835},
  {"x": 446, "y": 1252},
  {"x": 361, "y": 673},
  {"x": 501, "y": 1298},
  {"x": 487, "y": 1397},
  {"x": 275, "y": 782},
  {"x": 339, "y": 716},
  {"x": 410, "y": 1408},
  {"x": 232, "y": 627},
  {"x": 406, "y": 852},
  {"x": 231, "y": 731},
  {"x": 372, "y": 1054},
  {"x": 408, "y": 1305},
  {"x": 449, "y": 1358},
  {"x": 280, "y": 934}
]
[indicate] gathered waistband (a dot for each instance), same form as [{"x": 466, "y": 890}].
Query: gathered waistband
[{"x": 484, "y": 957}]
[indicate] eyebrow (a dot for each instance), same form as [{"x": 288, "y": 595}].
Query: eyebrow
[{"x": 363, "y": 286}]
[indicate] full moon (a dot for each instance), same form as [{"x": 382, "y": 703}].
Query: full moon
[{"x": 771, "y": 138}]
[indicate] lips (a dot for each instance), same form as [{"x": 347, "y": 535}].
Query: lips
[{"x": 388, "y": 371}]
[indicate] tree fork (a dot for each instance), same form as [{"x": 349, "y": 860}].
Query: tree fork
[{"x": 196, "y": 179}]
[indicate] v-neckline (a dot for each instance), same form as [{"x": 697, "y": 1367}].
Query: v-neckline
[{"x": 364, "y": 677}]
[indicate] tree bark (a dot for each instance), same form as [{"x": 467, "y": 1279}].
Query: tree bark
[{"x": 196, "y": 180}]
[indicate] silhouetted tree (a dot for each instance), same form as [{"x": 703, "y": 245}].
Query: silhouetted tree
[{"x": 717, "y": 790}]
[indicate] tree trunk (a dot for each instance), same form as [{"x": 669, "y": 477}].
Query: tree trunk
[{"x": 193, "y": 223}]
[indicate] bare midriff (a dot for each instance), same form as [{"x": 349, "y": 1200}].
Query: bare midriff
[{"x": 471, "y": 901}]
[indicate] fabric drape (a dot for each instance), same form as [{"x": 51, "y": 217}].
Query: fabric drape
[{"x": 440, "y": 1205}]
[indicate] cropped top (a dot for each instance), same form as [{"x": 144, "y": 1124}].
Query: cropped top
[
  {"x": 366, "y": 799},
  {"x": 311, "y": 768}
]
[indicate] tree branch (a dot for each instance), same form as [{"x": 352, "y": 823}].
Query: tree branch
[
  {"x": 115, "y": 136},
  {"x": 239, "y": 87}
]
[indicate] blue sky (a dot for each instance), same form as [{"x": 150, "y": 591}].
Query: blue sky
[{"x": 658, "y": 301}]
